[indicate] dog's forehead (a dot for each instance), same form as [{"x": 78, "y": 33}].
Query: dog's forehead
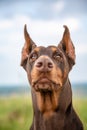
[{"x": 46, "y": 50}]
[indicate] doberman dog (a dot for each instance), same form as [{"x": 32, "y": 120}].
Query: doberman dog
[{"x": 47, "y": 70}]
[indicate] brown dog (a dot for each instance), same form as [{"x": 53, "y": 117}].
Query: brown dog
[{"x": 47, "y": 70}]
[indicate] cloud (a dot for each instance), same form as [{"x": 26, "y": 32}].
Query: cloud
[
  {"x": 5, "y": 24},
  {"x": 43, "y": 9},
  {"x": 43, "y": 32},
  {"x": 45, "y": 29},
  {"x": 58, "y": 6},
  {"x": 73, "y": 23},
  {"x": 81, "y": 49}
]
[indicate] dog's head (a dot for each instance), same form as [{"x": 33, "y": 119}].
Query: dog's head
[
  {"x": 47, "y": 68},
  {"x": 48, "y": 65}
]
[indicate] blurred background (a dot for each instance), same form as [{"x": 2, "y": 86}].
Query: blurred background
[{"x": 45, "y": 20}]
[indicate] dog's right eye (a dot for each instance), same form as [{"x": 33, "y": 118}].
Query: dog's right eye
[{"x": 33, "y": 57}]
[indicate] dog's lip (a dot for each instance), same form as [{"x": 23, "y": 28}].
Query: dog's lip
[{"x": 44, "y": 80}]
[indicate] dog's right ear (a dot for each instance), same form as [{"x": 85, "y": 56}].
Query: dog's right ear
[{"x": 28, "y": 47}]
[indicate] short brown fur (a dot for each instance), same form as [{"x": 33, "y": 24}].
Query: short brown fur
[{"x": 47, "y": 70}]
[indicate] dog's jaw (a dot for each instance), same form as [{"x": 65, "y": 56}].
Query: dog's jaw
[
  {"x": 47, "y": 97},
  {"x": 45, "y": 85}
]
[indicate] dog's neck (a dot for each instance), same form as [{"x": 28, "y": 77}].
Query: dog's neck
[
  {"x": 65, "y": 97},
  {"x": 64, "y": 100}
]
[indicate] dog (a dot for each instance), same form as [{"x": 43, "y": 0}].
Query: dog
[{"x": 47, "y": 71}]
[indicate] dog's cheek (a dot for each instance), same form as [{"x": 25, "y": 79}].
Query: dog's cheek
[
  {"x": 28, "y": 70},
  {"x": 56, "y": 75},
  {"x": 61, "y": 72},
  {"x": 34, "y": 75},
  {"x": 66, "y": 71}
]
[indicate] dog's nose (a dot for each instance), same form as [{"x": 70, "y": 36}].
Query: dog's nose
[{"x": 44, "y": 64}]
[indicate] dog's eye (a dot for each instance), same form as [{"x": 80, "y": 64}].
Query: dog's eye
[
  {"x": 33, "y": 57},
  {"x": 57, "y": 56}
]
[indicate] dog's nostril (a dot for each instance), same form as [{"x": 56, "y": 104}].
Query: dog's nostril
[
  {"x": 39, "y": 64},
  {"x": 50, "y": 65},
  {"x": 44, "y": 65}
]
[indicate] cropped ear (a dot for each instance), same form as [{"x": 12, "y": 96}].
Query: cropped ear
[
  {"x": 67, "y": 46},
  {"x": 27, "y": 48}
]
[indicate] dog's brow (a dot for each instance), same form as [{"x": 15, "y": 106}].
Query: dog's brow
[
  {"x": 53, "y": 49},
  {"x": 37, "y": 49}
]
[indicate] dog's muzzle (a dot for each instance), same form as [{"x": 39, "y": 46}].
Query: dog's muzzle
[{"x": 44, "y": 64}]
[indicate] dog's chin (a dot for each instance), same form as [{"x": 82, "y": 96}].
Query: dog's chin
[
  {"x": 45, "y": 85},
  {"x": 47, "y": 95}
]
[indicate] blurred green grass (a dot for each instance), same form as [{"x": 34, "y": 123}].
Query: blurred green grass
[{"x": 16, "y": 112}]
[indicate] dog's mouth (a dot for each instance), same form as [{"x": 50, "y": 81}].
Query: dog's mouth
[
  {"x": 44, "y": 80},
  {"x": 47, "y": 95},
  {"x": 44, "y": 84}
]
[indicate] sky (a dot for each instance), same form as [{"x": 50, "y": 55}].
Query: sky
[{"x": 45, "y": 20}]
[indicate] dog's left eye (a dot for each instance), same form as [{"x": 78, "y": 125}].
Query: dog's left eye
[
  {"x": 57, "y": 56},
  {"x": 33, "y": 57}
]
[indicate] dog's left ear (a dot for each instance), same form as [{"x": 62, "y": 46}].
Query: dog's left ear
[
  {"x": 28, "y": 47},
  {"x": 67, "y": 46}
]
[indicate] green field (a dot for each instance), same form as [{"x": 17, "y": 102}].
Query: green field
[{"x": 16, "y": 112}]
